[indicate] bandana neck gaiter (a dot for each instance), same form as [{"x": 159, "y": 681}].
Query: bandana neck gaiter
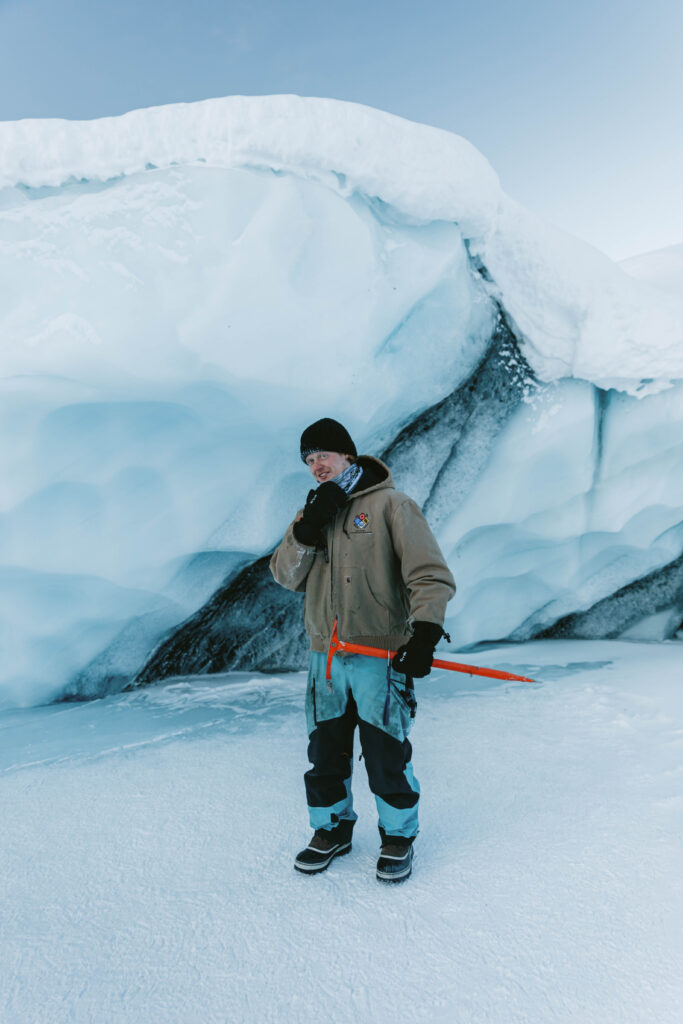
[{"x": 349, "y": 478}]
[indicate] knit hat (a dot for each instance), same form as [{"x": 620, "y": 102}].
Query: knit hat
[{"x": 326, "y": 435}]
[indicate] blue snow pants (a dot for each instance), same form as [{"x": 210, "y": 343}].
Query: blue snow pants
[{"x": 367, "y": 693}]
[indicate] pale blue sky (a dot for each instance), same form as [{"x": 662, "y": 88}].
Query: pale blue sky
[{"x": 578, "y": 106}]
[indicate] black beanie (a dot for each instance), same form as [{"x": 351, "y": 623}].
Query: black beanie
[{"x": 326, "y": 436}]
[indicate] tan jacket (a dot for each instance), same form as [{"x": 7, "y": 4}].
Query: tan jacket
[{"x": 382, "y": 570}]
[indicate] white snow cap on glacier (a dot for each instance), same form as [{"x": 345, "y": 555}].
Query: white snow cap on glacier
[
  {"x": 577, "y": 312},
  {"x": 662, "y": 268}
]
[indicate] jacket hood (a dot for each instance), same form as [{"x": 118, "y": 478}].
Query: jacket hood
[{"x": 375, "y": 475}]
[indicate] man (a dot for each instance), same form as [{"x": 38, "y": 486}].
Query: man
[{"x": 366, "y": 559}]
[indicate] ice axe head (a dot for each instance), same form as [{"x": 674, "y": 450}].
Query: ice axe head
[{"x": 335, "y": 645}]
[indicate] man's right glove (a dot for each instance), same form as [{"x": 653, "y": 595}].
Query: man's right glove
[
  {"x": 415, "y": 658},
  {"x": 321, "y": 507}
]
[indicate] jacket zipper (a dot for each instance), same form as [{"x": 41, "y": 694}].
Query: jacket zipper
[
  {"x": 328, "y": 553},
  {"x": 328, "y": 558}
]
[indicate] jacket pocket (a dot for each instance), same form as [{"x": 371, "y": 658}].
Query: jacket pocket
[
  {"x": 393, "y": 606},
  {"x": 373, "y": 593},
  {"x": 361, "y": 611}
]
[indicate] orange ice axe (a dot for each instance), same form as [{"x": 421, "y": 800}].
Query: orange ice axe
[{"x": 345, "y": 647}]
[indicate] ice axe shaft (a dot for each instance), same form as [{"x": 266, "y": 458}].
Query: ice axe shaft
[{"x": 345, "y": 647}]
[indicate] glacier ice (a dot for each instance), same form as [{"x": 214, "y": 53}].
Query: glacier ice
[
  {"x": 185, "y": 288},
  {"x": 561, "y": 533}
]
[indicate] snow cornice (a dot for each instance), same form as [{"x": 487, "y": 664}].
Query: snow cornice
[{"x": 577, "y": 313}]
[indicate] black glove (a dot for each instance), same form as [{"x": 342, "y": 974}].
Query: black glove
[
  {"x": 415, "y": 658},
  {"x": 321, "y": 507}
]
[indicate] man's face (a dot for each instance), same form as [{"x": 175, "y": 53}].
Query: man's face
[{"x": 326, "y": 465}]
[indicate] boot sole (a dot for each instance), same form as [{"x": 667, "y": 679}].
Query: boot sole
[{"x": 315, "y": 869}]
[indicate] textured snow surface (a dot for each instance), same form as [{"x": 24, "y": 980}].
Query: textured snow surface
[
  {"x": 147, "y": 843},
  {"x": 580, "y": 314}
]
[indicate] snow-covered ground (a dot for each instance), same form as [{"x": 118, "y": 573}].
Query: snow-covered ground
[{"x": 147, "y": 842}]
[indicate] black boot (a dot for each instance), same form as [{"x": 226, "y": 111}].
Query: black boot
[
  {"x": 325, "y": 845},
  {"x": 396, "y": 858}
]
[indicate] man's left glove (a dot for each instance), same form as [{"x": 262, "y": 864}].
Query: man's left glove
[
  {"x": 415, "y": 658},
  {"x": 321, "y": 507}
]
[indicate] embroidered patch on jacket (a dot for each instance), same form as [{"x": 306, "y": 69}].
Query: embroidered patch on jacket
[{"x": 361, "y": 520}]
